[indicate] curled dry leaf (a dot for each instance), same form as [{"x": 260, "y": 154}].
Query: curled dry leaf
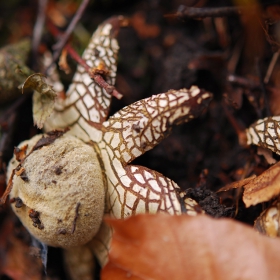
[
  {"x": 237, "y": 184},
  {"x": 264, "y": 187},
  {"x": 183, "y": 247},
  {"x": 43, "y": 98},
  {"x": 50, "y": 137}
]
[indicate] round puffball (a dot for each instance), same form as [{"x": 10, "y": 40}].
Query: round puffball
[{"x": 61, "y": 198}]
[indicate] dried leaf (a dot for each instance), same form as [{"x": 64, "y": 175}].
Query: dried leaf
[
  {"x": 20, "y": 153},
  {"x": 51, "y": 137},
  {"x": 264, "y": 187},
  {"x": 184, "y": 247},
  {"x": 8, "y": 189},
  {"x": 43, "y": 98},
  {"x": 19, "y": 170},
  {"x": 63, "y": 64},
  {"x": 237, "y": 184}
]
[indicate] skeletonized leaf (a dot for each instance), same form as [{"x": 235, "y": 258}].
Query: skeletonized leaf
[
  {"x": 265, "y": 133},
  {"x": 264, "y": 187},
  {"x": 184, "y": 247},
  {"x": 43, "y": 98}
]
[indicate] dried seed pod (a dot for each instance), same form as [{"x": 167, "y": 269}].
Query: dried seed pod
[
  {"x": 269, "y": 220},
  {"x": 63, "y": 198}
]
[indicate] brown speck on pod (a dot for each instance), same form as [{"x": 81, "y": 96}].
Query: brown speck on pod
[
  {"x": 76, "y": 217},
  {"x": 96, "y": 52},
  {"x": 18, "y": 202},
  {"x": 58, "y": 170},
  {"x": 62, "y": 231},
  {"x": 34, "y": 215},
  {"x": 24, "y": 177},
  {"x": 136, "y": 127},
  {"x": 143, "y": 145}
]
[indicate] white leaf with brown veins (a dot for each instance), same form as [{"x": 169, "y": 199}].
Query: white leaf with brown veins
[{"x": 116, "y": 142}]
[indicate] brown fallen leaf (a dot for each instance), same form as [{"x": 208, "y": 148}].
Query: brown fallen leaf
[
  {"x": 184, "y": 247},
  {"x": 49, "y": 139},
  {"x": 237, "y": 184},
  {"x": 16, "y": 262},
  {"x": 264, "y": 187}
]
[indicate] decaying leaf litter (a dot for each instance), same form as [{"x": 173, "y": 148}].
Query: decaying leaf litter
[{"x": 214, "y": 54}]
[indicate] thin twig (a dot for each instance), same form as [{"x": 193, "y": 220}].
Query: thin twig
[
  {"x": 271, "y": 67},
  {"x": 191, "y": 12},
  {"x": 76, "y": 217},
  {"x": 96, "y": 77},
  {"x": 8, "y": 189},
  {"x": 243, "y": 82},
  {"x": 64, "y": 38},
  {"x": 266, "y": 103},
  {"x": 76, "y": 57},
  {"x": 237, "y": 126},
  {"x": 38, "y": 31},
  {"x": 235, "y": 57}
]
